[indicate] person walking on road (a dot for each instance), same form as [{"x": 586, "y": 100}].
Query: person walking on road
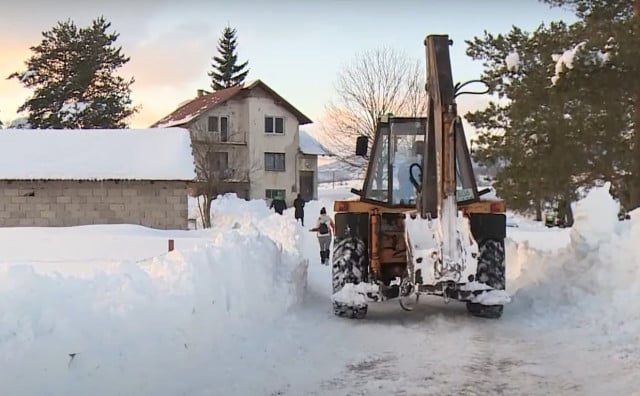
[
  {"x": 324, "y": 227},
  {"x": 298, "y": 204},
  {"x": 278, "y": 204}
]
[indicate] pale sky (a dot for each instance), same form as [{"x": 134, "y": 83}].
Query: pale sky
[{"x": 295, "y": 46}]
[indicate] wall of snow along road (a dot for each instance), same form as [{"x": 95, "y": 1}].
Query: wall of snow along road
[
  {"x": 592, "y": 282},
  {"x": 162, "y": 326}
]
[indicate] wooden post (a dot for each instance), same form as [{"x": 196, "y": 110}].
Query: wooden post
[{"x": 170, "y": 245}]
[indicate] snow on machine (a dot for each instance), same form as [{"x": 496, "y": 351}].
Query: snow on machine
[{"x": 420, "y": 225}]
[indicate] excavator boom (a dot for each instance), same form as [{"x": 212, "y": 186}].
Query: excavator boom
[{"x": 449, "y": 173}]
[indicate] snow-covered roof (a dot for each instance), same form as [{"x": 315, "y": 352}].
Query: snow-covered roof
[
  {"x": 96, "y": 154},
  {"x": 309, "y": 145}
]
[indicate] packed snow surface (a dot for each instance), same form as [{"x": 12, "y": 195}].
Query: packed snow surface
[
  {"x": 354, "y": 295},
  {"x": 237, "y": 308},
  {"x": 596, "y": 274},
  {"x": 125, "y": 326}
]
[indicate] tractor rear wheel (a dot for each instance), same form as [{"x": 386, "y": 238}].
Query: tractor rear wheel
[
  {"x": 485, "y": 311},
  {"x": 349, "y": 266},
  {"x": 491, "y": 270}
]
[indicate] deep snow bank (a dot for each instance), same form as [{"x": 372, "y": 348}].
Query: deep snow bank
[
  {"x": 595, "y": 280},
  {"x": 149, "y": 327}
]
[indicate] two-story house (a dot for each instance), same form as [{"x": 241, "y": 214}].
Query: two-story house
[{"x": 246, "y": 139}]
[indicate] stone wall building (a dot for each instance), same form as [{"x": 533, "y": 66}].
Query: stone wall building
[{"x": 53, "y": 178}]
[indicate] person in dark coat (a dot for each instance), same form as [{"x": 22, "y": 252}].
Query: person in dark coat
[
  {"x": 298, "y": 204},
  {"x": 278, "y": 204}
]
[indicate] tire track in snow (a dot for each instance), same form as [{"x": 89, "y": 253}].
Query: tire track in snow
[
  {"x": 440, "y": 350},
  {"x": 454, "y": 354}
]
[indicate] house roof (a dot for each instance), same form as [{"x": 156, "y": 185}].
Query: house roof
[
  {"x": 190, "y": 110},
  {"x": 96, "y": 154},
  {"x": 309, "y": 145}
]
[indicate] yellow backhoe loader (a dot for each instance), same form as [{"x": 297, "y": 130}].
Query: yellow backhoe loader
[{"x": 419, "y": 225}]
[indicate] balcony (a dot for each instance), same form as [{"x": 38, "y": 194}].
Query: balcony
[
  {"x": 230, "y": 175},
  {"x": 233, "y": 138}
]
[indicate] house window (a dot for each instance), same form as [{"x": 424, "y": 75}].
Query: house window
[
  {"x": 273, "y": 193},
  {"x": 218, "y": 161},
  {"x": 219, "y": 124},
  {"x": 224, "y": 129},
  {"x": 212, "y": 124},
  {"x": 274, "y": 162},
  {"x": 274, "y": 125}
]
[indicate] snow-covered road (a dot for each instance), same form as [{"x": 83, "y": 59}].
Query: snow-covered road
[
  {"x": 536, "y": 348},
  {"x": 436, "y": 349}
]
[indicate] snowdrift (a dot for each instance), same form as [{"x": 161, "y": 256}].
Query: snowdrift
[
  {"x": 138, "y": 328},
  {"x": 593, "y": 281}
]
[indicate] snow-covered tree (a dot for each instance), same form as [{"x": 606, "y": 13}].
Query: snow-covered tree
[
  {"x": 604, "y": 78},
  {"x": 527, "y": 134},
  {"x": 568, "y": 121},
  {"x": 20, "y": 123}
]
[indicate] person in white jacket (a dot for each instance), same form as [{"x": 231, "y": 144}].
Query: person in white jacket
[{"x": 324, "y": 227}]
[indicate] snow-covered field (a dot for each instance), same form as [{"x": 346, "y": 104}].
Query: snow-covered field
[{"x": 244, "y": 309}]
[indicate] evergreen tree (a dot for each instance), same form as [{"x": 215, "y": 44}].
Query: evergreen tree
[
  {"x": 525, "y": 131},
  {"x": 72, "y": 73},
  {"x": 226, "y": 71},
  {"x": 567, "y": 120},
  {"x": 610, "y": 88}
]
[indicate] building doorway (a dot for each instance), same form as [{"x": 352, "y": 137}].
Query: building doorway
[{"x": 306, "y": 185}]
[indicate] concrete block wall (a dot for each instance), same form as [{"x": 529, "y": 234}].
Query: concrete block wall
[{"x": 156, "y": 204}]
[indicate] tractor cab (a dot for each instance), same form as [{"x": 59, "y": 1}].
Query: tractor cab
[{"x": 400, "y": 155}]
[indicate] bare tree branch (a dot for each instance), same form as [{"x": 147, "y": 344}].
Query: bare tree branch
[
  {"x": 372, "y": 84},
  {"x": 221, "y": 166}
]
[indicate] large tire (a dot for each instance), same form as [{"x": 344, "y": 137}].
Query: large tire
[
  {"x": 485, "y": 311},
  {"x": 350, "y": 312},
  {"x": 491, "y": 270},
  {"x": 348, "y": 266}
]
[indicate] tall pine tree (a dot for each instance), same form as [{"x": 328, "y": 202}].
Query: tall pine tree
[
  {"x": 525, "y": 132},
  {"x": 226, "y": 71},
  {"x": 568, "y": 120},
  {"x": 72, "y": 75},
  {"x": 611, "y": 88}
]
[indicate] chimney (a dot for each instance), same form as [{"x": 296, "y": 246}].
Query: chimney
[{"x": 200, "y": 93}]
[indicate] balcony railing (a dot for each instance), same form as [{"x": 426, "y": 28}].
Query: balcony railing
[
  {"x": 233, "y": 137},
  {"x": 228, "y": 175}
]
